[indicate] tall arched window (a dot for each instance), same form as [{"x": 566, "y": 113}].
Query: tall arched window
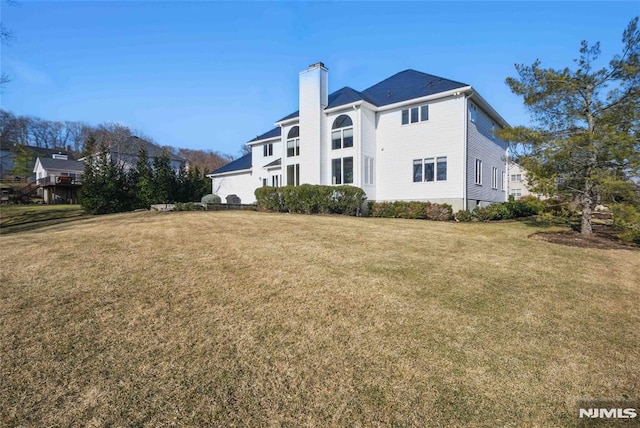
[
  {"x": 293, "y": 142},
  {"x": 342, "y": 132}
]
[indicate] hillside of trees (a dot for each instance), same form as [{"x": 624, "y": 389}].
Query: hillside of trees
[{"x": 71, "y": 136}]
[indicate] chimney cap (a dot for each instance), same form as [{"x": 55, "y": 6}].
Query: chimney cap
[{"x": 316, "y": 65}]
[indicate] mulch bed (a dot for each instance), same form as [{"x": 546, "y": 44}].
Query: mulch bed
[{"x": 603, "y": 238}]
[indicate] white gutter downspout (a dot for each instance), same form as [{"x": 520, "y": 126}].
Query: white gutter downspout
[
  {"x": 358, "y": 137},
  {"x": 466, "y": 154}
]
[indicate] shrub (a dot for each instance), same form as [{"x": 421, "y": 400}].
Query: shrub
[
  {"x": 311, "y": 199},
  {"x": 463, "y": 216},
  {"x": 525, "y": 207},
  {"x": 439, "y": 212},
  {"x": 412, "y": 210},
  {"x": 492, "y": 212},
  {"x": 211, "y": 199},
  {"x": 269, "y": 199},
  {"x": 188, "y": 206}
]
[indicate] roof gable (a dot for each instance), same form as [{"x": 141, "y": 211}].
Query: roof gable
[
  {"x": 275, "y": 132},
  {"x": 239, "y": 164},
  {"x": 407, "y": 85},
  {"x": 62, "y": 164}
]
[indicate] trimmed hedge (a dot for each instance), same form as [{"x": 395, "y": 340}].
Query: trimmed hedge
[
  {"x": 525, "y": 207},
  {"x": 311, "y": 199},
  {"x": 412, "y": 210}
]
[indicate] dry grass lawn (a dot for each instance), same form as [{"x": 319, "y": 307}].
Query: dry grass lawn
[{"x": 254, "y": 319}]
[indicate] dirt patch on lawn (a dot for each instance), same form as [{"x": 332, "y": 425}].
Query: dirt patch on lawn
[{"x": 603, "y": 238}]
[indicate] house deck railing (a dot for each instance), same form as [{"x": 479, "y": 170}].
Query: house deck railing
[{"x": 64, "y": 180}]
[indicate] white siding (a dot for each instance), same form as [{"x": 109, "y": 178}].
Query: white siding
[
  {"x": 313, "y": 99},
  {"x": 492, "y": 152},
  {"x": 368, "y": 149},
  {"x": 398, "y": 145},
  {"x": 241, "y": 184}
]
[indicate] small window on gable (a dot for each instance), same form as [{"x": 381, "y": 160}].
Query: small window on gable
[{"x": 473, "y": 112}]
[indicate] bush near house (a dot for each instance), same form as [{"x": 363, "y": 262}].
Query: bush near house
[
  {"x": 311, "y": 199},
  {"x": 412, "y": 210},
  {"x": 210, "y": 199},
  {"x": 525, "y": 207}
]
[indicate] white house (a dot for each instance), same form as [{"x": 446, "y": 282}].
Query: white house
[
  {"x": 518, "y": 183},
  {"x": 58, "y": 178},
  {"x": 410, "y": 137}
]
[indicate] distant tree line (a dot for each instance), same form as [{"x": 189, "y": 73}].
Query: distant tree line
[
  {"x": 70, "y": 136},
  {"x": 109, "y": 186}
]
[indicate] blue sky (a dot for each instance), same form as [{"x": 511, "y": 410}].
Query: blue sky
[{"x": 213, "y": 75}]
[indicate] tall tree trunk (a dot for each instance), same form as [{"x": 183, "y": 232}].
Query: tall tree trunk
[{"x": 585, "y": 227}]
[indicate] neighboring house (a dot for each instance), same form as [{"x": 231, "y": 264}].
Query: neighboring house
[
  {"x": 126, "y": 153},
  {"x": 9, "y": 154},
  {"x": 411, "y": 137},
  {"x": 518, "y": 186},
  {"x": 58, "y": 179}
]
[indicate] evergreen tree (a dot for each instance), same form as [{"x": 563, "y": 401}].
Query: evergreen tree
[
  {"x": 586, "y": 141},
  {"x": 104, "y": 186},
  {"x": 141, "y": 180},
  {"x": 164, "y": 179}
]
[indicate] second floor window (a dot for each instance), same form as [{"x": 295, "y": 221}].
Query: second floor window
[
  {"x": 267, "y": 150},
  {"x": 342, "y": 132},
  {"x": 415, "y": 114},
  {"x": 293, "y": 142}
]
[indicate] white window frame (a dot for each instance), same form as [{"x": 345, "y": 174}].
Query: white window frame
[
  {"x": 367, "y": 172},
  {"x": 296, "y": 174},
  {"x": 494, "y": 178},
  {"x": 342, "y": 174},
  {"x": 433, "y": 160},
  {"x": 473, "y": 112},
  {"x": 478, "y": 171},
  {"x": 420, "y": 117}
]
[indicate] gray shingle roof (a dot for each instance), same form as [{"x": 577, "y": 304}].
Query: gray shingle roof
[
  {"x": 237, "y": 165},
  {"x": 403, "y": 86},
  {"x": 275, "y": 132},
  {"x": 66, "y": 165},
  {"x": 407, "y": 85}
]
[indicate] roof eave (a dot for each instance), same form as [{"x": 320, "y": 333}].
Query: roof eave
[
  {"x": 487, "y": 108},
  {"x": 264, "y": 140},
  {"x": 449, "y": 93},
  {"x": 288, "y": 121},
  {"x": 220, "y": 174}
]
